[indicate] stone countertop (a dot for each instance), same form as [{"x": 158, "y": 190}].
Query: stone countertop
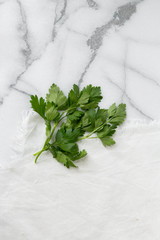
[{"x": 114, "y": 44}]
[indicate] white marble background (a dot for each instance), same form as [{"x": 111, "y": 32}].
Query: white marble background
[{"x": 114, "y": 44}]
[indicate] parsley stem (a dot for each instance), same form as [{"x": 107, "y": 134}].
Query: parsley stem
[
  {"x": 66, "y": 111},
  {"x": 38, "y": 154},
  {"x": 92, "y": 137},
  {"x": 46, "y": 142},
  {"x": 62, "y": 118},
  {"x": 49, "y": 138},
  {"x": 95, "y": 130}
]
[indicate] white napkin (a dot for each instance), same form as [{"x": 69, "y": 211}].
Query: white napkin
[{"x": 113, "y": 195}]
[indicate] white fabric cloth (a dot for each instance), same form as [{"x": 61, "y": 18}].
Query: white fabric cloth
[{"x": 113, "y": 195}]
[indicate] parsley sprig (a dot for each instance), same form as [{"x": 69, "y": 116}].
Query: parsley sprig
[{"x": 77, "y": 117}]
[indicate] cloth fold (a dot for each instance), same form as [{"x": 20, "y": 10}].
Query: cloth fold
[{"x": 113, "y": 195}]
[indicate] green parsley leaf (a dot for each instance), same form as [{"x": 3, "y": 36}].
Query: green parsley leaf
[
  {"x": 119, "y": 114},
  {"x": 92, "y": 96},
  {"x": 66, "y": 138},
  {"x": 81, "y": 154},
  {"x": 56, "y": 96},
  {"x": 102, "y": 114},
  {"x": 108, "y": 130},
  {"x": 67, "y": 135},
  {"x": 88, "y": 120},
  {"x": 84, "y": 98},
  {"x": 107, "y": 141},
  {"x": 73, "y": 95},
  {"x": 75, "y": 115},
  {"x": 51, "y": 111},
  {"x": 93, "y": 119},
  {"x": 38, "y": 105},
  {"x": 62, "y": 158},
  {"x": 112, "y": 110}
]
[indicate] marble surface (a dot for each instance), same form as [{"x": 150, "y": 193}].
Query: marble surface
[{"x": 114, "y": 44}]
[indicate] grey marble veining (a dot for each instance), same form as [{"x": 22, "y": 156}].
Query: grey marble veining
[
  {"x": 120, "y": 16},
  {"x": 114, "y": 44}
]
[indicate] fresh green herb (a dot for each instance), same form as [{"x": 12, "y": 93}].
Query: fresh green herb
[{"x": 74, "y": 116}]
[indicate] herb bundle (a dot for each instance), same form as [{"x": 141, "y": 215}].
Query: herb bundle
[{"x": 77, "y": 117}]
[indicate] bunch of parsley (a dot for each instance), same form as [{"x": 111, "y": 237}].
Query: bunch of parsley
[{"x": 77, "y": 117}]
